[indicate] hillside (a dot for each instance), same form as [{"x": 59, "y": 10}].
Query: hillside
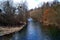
[{"x": 48, "y": 15}]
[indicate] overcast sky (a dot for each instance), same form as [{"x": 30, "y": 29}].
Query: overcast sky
[
  {"x": 35, "y": 3},
  {"x": 32, "y": 3}
]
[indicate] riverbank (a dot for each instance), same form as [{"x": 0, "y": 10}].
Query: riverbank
[
  {"x": 52, "y": 31},
  {"x": 8, "y": 30}
]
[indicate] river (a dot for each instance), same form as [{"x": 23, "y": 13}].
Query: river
[{"x": 32, "y": 31}]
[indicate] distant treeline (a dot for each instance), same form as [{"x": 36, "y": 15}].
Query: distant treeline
[
  {"x": 48, "y": 14},
  {"x": 11, "y": 15}
]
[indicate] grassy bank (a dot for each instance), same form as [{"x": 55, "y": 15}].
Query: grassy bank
[
  {"x": 52, "y": 31},
  {"x": 8, "y": 30}
]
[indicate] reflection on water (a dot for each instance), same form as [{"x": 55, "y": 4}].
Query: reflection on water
[{"x": 32, "y": 31}]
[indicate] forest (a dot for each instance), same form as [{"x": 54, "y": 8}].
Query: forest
[
  {"x": 48, "y": 14},
  {"x": 11, "y": 15}
]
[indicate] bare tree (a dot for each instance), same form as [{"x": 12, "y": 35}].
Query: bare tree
[
  {"x": 9, "y": 12},
  {"x": 22, "y": 10}
]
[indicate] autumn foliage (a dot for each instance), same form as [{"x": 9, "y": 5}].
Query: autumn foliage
[{"x": 48, "y": 14}]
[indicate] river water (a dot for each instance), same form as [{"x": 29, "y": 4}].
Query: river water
[{"x": 32, "y": 31}]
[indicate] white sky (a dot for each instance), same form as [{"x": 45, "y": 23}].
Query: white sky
[{"x": 32, "y": 3}]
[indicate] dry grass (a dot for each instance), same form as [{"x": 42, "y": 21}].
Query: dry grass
[{"x": 8, "y": 30}]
